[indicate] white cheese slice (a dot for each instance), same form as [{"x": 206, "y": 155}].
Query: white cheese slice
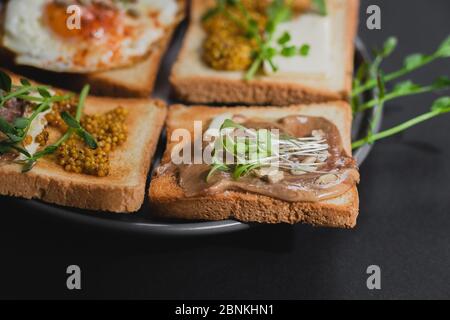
[{"x": 311, "y": 29}]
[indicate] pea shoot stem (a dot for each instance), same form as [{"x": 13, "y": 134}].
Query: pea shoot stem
[
  {"x": 20, "y": 92},
  {"x": 51, "y": 148},
  {"x": 372, "y": 83},
  {"x": 395, "y": 130},
  {"x": 81, "y": 102}
]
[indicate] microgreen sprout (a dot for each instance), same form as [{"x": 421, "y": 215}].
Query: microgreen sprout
[
  {"x": 263, "y": 148},
  {"x": 278, "y": 12},
  {"x": 369, "y": 76},
  {"x": 41, "y": 99}
]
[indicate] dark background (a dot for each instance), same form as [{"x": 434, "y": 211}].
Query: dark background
[{"x": 403, "y": 226}]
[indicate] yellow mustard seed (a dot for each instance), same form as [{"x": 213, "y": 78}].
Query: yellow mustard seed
[
  {"x": 42, "y": 138},
  {"x": 28, "y": 140},
  {"x": 222, "y": 51},
  {"x": 109, "y": 131}
]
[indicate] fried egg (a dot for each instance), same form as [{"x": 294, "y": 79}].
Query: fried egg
[{"x": 111, "y": 33}]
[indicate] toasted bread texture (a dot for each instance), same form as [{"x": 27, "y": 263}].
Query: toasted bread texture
[
  {"x": 122, "y": 191},
  {"x": 169, "y": 200},
  {"x": 195, "y": 82},
  {"x": 134, "y": 81}
]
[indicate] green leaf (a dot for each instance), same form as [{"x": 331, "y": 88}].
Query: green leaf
[
  {"x": 414, "y": 61},
  {"x": 270, "y": 53},
  {"x": 389, "y": 46},
  {"x": 5, "y": 81},
  {"x": 444, "y": 49},
  {"x": 270, "y": 27},
  {"x": 88, "y": 138},
  {"x": 285, "y": 38},
  {"x": 242, "y": 170},
  {"x": 253, "y": 28},
  {"x": 289, "y": 51},
  {"x": 6, "y": 127},
  {"x": 21, "y": 123},
  {"x": 304, "y": 50},
  {"x": 406, "y": 87},
  {"x": 25, "y": 82},
  {"x": 228, "y": 123},
  {"x": 4, "y": 148},
  {"x": 441, "y": 104},
  {"x": 74, "y": 124},
  {"x": 441, "y": 82},
  {"x": 44, "y": 93},
  {"x": 14, "y": 137},
  {"x": 278, "y": 12},
  {"x": 320, "y": 6},
  {"x": 70, "y": 121},
  {"x": 215, "y": 168}
]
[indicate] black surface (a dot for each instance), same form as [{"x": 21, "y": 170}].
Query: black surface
[{"x": 403, "y": 226}]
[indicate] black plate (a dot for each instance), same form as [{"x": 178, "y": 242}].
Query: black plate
[{"x": 143, "y": 221}]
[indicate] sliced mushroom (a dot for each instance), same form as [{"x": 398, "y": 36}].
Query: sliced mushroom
[
  {"x": 327, "y": 179},
  {"x": 305, "y": 168},
  {"x": 309, "y": 160},
  {"x": 298, "y": 172},
  {"x": 277, "y": 177},
  {"x": 270, "y": 174}
]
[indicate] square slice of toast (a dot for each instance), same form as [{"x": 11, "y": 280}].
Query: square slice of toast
[
  {"x": 122, "y": 191},
  {"x": 169, "y": 201},
  {"x": 195, "y": 82},
  {"x": 135, "y": 81}
]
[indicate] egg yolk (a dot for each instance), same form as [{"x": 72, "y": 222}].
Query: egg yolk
[{"x": 95, "y": 21}]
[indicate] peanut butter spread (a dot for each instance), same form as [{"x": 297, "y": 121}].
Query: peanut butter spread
[{"x": 336, "y": 172}]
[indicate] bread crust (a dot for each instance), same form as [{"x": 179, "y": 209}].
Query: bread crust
[
  {"x": 122, "y": 191},
  {"x": 134, "y": 81},
  {"x": 168, "y": 199},
  {"x": 247, "y": 207},
  {"x": 262, "y": 91}
]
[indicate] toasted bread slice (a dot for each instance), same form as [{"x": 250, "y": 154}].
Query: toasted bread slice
[
  {"x": 123, "y": 190},
  {"x": 169, "y": 200},
  {"x": 135, "y": 81},
  {"x": 195, "y": 82}
]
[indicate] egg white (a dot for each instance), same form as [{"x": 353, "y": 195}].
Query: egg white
[
  {"x": 37, "y": 126},
  {"x": 35, "y": 44}
]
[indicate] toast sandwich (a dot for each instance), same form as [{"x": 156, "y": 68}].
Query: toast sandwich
[
  {"x": 136, "y": 80},
  {"x": 325, "y": 74},
  {"x": 263, "y": 202},
  {"x": 121, "y": 189}
]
